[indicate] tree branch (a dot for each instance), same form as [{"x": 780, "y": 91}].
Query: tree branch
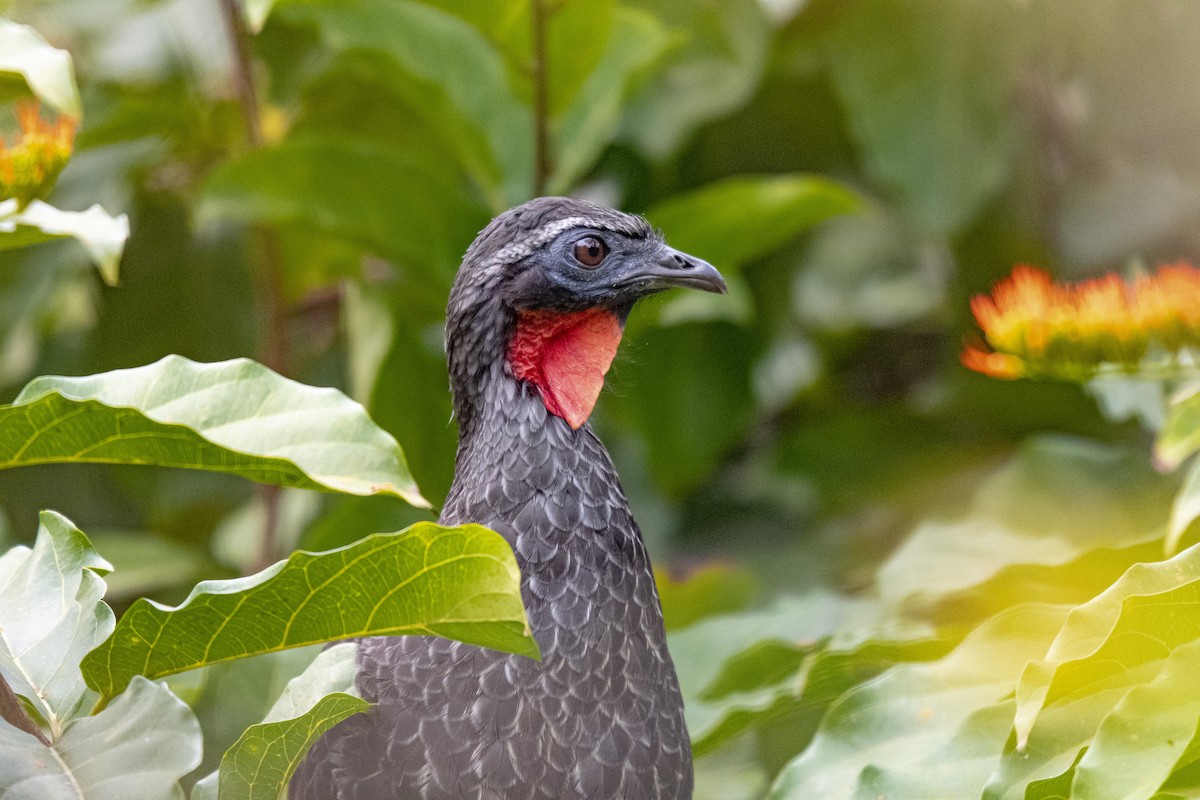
[
  {"x": 15, "y": 714},
  {"x": 541, "y": 113},
  {"x": 267, "y": 258}
]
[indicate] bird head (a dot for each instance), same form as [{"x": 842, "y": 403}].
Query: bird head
[{"x": 543, "y": 294}]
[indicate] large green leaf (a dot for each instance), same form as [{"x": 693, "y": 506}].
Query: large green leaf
[
  {"x": 462, "y": 583},
  {"x": 924, "y": 730},
  {"x": 138, "y": 747},
  {"x": 53, "y": 614},
  {"x": 389, "y": 201},
  {"x": 232, "y": 416},
  {"x": 47, "y": 70},
  {"x": 102, "y": 235},
  {"x": 932, "y": 119}
]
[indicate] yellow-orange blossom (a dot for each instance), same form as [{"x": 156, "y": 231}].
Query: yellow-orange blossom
[
  {"x": 29, "y": 166},
  {"x": 1037, "y": 327}
]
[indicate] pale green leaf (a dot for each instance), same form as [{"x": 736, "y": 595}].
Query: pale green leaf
[
  {"x": 138, "y": 747},
  {"x": 1185, "y": 510},
  {"x": 47, "y": 70},
  {"x": 1117, "y": 639},
  {"x": 924, "y": 730},
  {"x": 1140, "y": 741},
  {"x": 51, "y": 615},
  {"x": 461, "y": 583},
  {"x": 102, "y": 235},
  {"x": 256, "y": 13},
  {"x": 1180, "y": 436},
  {"x": 231, "y": 416}
]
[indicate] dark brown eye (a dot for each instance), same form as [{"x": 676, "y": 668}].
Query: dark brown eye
[{"x": 590, "y": 252}]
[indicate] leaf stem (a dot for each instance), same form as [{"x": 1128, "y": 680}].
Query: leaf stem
[
  {"x": 15, "y": 714},
  {"x": 541, "y": 114},
  {"x": 267, "y": 256}
]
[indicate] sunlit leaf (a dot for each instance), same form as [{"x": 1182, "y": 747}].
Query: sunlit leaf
[
  {"x": 1120, "y": 638},
  {"x": 461, "y": 583},
  {"x": 1185, "y": 510},
  {"x": 47, "y": 70},
  {"x": 924, "y": 730},
  {"x": 102, "y": 235},
  {"x": 140, "y": 746},
  {"x": 1180, "y": 436},
  {"x": 232, "y": 416},
  {"x": 52, "y": 615}
]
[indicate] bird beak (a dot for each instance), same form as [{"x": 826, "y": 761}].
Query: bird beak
[{"x": 673, "y": 269}]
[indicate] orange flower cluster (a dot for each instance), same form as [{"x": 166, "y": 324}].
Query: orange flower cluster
[
  {"x": 29, "y": 167},
  {"x": 1036, "y": 327}
]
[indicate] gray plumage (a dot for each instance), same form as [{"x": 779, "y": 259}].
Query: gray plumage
[{"x": 600, "y": 716}]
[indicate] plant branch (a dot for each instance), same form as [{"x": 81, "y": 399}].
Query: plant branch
[
  {"x": 15, "y": 714},
  {"x": 266, "y": 257},
  {"x": 541, "y": 113}
]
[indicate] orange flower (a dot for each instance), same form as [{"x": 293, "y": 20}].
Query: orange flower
[
  {"x": 29, "y": 167},
  {"x": 1036, "y": 327}
]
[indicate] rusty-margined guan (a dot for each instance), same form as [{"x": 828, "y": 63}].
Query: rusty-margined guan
[{"x": 533, "y": 323}]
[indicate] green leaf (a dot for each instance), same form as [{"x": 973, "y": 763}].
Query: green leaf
[
  {"x": 232, "y": 416},
  {"x": 933, "y": 121},
  {"x": 391, "y": 202},
  {"x": 1140, "y": 741},
  {"x": 461, "y": 583},
  {"x": 138, "y": 747},
  {"x": 47, "y": 70},
  {"x": 722, "y": 49},
  {"x": 256, "y": 13},
  {"x": 924, "y": 730},
  {"x": 437, "y": 47},
  {"x": 103, "y": 236},
  {"x": 1119, "y": 638},
  {"x": 332, "y": 671},
  {"x": 1180, "y": 436},
  {"x": 591, "y": 121},
  {"x": 737, "y": 220},
  {"x": 53, "y": 614},
  {"x": 260, "y": 764},
  {"x": 1057, "y": 501},
  {"x": 1185, "y": 510}
]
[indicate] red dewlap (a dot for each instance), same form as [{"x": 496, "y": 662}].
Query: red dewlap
[{"x": 566, "y": 357}]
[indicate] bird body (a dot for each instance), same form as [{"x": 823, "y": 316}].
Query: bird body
[{"x": 600, "y": 716}]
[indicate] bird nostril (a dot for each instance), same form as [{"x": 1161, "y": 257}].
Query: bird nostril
[{"x": 681, "y": 262}]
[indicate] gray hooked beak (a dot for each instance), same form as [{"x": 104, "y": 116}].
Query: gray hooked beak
[{"x": 675, "y": 269}]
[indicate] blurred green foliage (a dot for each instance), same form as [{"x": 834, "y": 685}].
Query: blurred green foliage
[{"x": 857, "y": 168}]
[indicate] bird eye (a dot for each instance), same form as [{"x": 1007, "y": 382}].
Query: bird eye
[{"x": 590, "y": 252}]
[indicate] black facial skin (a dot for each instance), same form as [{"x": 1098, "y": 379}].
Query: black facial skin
[{"x": 635, "y": 267}]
